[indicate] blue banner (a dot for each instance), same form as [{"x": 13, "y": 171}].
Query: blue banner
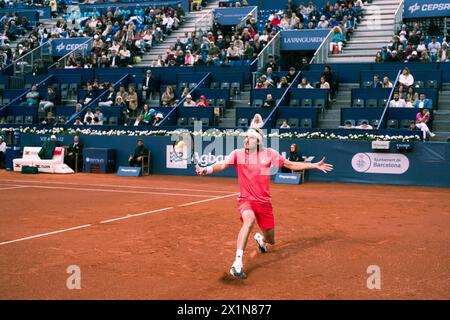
[
  {"x": 288, "y": 178},
  {"x": 231, "y": 16},
  {"x": 354, "y": 161},
  {"x": 61, "y": 47},
  {"x": 302, "y": 40},
  {"x": 426, "y": 9}
]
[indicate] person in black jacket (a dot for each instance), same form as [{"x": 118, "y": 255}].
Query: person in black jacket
[
  {"x": 149, "y": 85},
  {"x": 75, "y": 148},
  {"x": 109, "y": 98},
  {"x": 136, "y": 158},
  {"x": 294, "y": 155},
  {"x": 376, "y": 82}
]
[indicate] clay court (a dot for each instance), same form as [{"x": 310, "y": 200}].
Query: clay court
[{"x": 169, "y": 237}]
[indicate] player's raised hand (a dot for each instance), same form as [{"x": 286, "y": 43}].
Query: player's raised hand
[
  {"x": 200, "y": 171},
  {"x": 324, "y": 167}
]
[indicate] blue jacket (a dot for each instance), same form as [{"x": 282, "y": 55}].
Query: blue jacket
[{"x": 426, "y": 104}]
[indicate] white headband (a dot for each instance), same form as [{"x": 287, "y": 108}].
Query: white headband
[{"x": 254, "y": 134}]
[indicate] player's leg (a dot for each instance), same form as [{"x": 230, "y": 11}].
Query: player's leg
[
  {"x": 264, "y": 217},
  {"x": 248, "y": 219}
]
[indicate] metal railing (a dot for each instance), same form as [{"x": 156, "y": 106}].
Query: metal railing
[
  {"x": 253, "y": 13},
  {"x": 321, "y": 54},
  {"x": 398, "y": 16},
  {"x": 294, "y": 81},
  {"x": 389, "y": 100},
  {"x": 24, "y": 64},
  {"x": 271, "y": 48},
  {"x": 204, "y": 24},
  {"x": 83, "y": 48},
  {"x": 43, "y": 82},
  {"x": 180, "y": 103},
  {"x": 94, "y": 101}
]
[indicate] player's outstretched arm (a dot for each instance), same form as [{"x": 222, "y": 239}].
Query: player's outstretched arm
[
  {"x": 321, "y": 165},
  {"x": 217, "y": 167}
]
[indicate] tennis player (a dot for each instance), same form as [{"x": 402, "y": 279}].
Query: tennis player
[{"x": 253, "y": 164}]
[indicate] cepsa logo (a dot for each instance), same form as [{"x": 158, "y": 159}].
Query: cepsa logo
[{"x": 71, "y": 46}]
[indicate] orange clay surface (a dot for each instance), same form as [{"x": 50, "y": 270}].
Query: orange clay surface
[{"x": 181, "y": 243}]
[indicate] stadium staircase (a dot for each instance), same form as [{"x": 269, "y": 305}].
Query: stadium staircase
[
  {"x": 187, "y": 26},
  {"x": 441, "y": 121},
  {"x": 331, "y": 118},
  {"x": 242, "y": 99},
  {"x": 369, "y": 36}
]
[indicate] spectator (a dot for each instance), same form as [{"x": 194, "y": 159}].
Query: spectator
[
  {"x": 283, "y": 83},
  {"x": 138, "y": 121},
  {"x": 158, "y": 118},
  {"x": 411, "y": 97},
  {"x": 257, "y": 121},
  {"x": 49, "y": 102},
  {"x": 337, "y": 40},
  {"x": 269, "y": 102},
  {"x": 131, "y": 99},
  {"x": 202, "y": 102},
  {"x": 109, "y": 98},
  {"x": 348, "y": 125},
  {"x": 304, "y": 84},
  {"x": 387, "y": 83},
  {"x": 402, "y": 93},
  {"x": 149, "y": 85},
  {"x": 189, "y": 102},
  {"x": 89, "y": 114},
  {"x": 329, "y": 78},
  {"x": 396, "y": 102},
  {"x": 406, "y": 78},
  {"x": 99, "y": 115},
  {"x": 147, "y": 114},
  {"x": 49, "y": 120},
  {"x": 294, "y": 155},
  {"x": 78, "y": 121},
  {"x": 433, "y": 49},
  {"x": 168, "y": 97},
  {"x": 32, "y": 98},
  {"x": 376, "y": 82},
  {"x": 422, "y": 118},
  {"x": 291, "y": 75},
  {"x": 414, "y": 57},
  {"x": 323, "y": 83},
  {"x": 74, "y": 150},
  {"x": 364, "y": 125},
  {"x": 140, "y": 151},
  {"x": 90, "y": 94},
  {"x": 425, "y": 57},
  {"x": 120, "y": 103},
  {"x": 422, "y": 102},
  {"x": 284, "y": 125},
  {"x": 2, "y": 152},
  {"x": 443, "y": 53}
]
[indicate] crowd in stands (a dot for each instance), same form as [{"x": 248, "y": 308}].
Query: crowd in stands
[
  {"x": 120, "y": 36},
  {"x": 412, "y": 45}
]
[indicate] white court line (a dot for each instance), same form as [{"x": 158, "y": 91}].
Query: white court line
[
  {"x": 119, "y": 191},
  {"x": 128, "y": 216},
  {"x": 12, "y": 187},
  {"x": 45, "y": 234},
  {"x": 113, "y": 185}
]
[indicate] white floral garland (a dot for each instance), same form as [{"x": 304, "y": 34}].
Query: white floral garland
[{"x": 215, "y": 133}]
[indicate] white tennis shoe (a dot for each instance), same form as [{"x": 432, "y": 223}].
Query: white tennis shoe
[
  {"x": 262, "y": 245},
  {"x": 237, "y": 270}
]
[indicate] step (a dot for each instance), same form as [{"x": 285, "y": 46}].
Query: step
[
  {"x": 344, "y": 59},
  {"x": 358, "y": 50},
  {"x": 355, "y": 53},
  {"x": 366, "y": 40},
  {"x": 370, "y": 33},
  {"x": 371, "y": 29},
  {"x": 367, "y": 46}
]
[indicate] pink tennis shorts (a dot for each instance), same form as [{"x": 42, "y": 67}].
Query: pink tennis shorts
[{"x": 263, "y": 213}]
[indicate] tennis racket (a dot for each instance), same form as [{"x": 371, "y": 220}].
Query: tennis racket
[{"x": 184, "y": 148}]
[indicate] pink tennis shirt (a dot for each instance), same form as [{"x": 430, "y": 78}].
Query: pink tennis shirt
[{"x": 253, "y": 172}]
